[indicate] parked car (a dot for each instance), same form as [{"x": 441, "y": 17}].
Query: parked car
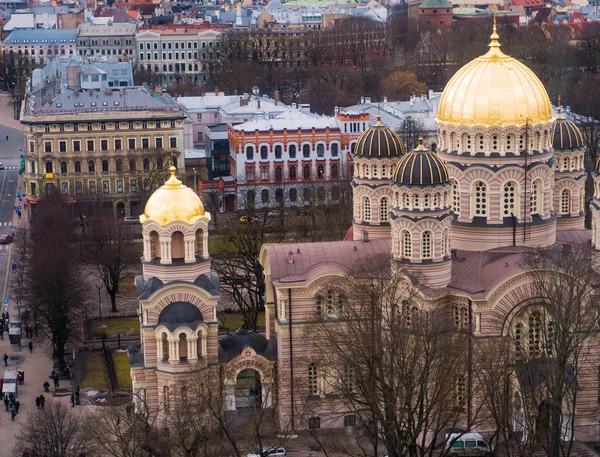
[
  {"x": 277, "y": 213},
  {"x": 131, "y": 220},
  {"x": 467, "y": 444},
  {"x": 2, "y": 166},
  {"x": 6, "y": 239},
  {"x": 249, "y": 219},
  {"x": 270, "y": 452}
]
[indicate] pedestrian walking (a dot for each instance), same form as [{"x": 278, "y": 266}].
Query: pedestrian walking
[
  {"x": 46, "y": 386},
  {"x": 42, "y": 401},
  {"x": 30, "y": 347},
  {"x": 6, "y": 137},
  {"x": 13, "y": 414},
  {"x": 5, "y": 359},
  {"x": 17, "y": 405},
  {"x": 37, "y": 402},
  {"x": 6, "y": 402},
  {"x": 56, "y": 381},
  {"x": 72, "y": 400}
]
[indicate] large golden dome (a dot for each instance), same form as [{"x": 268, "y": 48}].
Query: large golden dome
[
  {"x": 173, "y": 202},
  {"x": 494, "y": 90}
]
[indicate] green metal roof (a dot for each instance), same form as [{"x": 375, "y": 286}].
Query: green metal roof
[{"x": 436, "y": 4}]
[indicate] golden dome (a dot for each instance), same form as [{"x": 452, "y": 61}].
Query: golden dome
[
  {"x": 173, "y": 202},
  {"x": 494, "y": 90}
]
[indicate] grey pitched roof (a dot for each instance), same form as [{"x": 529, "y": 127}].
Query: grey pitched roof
[{"x": 42, "y": 36}]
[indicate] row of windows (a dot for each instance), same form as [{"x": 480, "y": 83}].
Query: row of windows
[
  {"x": 292, "y": 175},
  {"x": 570, "y": 164},
  {"x": 89, "y": 126},
  {"x": 427, "y": 244},
  {"x": 374, "y": 171},
  {"x": 307, "y": 150},
  {"x": 533, "y": 335},
  {"x": 91, "y": 166},
  {"x": 437, "y": 200},
  {"x": 77, "y": 188},
  {"x": 179, "y": 45},
  {"x": 292, "y": 194},
  {"x": 493, "y": 143},
  {"x": 182, "y": 56},
  {"x": 90, "y": 145}
]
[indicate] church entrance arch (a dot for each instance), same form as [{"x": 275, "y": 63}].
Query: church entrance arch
[{"x": 248, "y": 389}]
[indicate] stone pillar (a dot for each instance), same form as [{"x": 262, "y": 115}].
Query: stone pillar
[
  {"x": 173, "y": 350},
  {"x": 190, "y": 256},
  {"x": 230, "y": 397},
  {"x": 205, "y": 244},
  {"x": 147, "y": 250},
  {"x": 267, "y": 400},
  {"x": 193, "y": 348},
  {"x": 165, "y": 250},
  {"x": 159, "y": 349}
]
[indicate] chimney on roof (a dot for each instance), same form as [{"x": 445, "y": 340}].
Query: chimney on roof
[
  {"x": 276, "y": 97},
  {"x": 216, "y": 90},
  {"x": 384, "y": 99},
  {"x": 73, "y": 77},
  {"x": 367, "y": 100},
  {"x": 235, "y": 92},
  {"x": 423, "y": 97},
  {"x": 336, "y": 109},
  {"x": 362, "y": 100},
  {"x": 258, "y": 104},
  {"x": 290, "y": 258}
]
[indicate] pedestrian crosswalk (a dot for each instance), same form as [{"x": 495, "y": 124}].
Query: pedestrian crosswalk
[
  {"x": 5, "y": 224},
  {"x": 11, "y": 168}
]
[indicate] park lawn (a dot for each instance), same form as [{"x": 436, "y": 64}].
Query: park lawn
[
  {"x": 127, "y": 288},
  {"x": 95, "y": 372},
  {"x": 121, "y": 362},
  {"x": 234, "y": 321},
  {"x": 126, "y": 326}
]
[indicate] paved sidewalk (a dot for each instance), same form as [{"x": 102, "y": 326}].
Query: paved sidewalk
[
  {"x": 37, "y": 367},
  {"x": 7, "y": 116}
]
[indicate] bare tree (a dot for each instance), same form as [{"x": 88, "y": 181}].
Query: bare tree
[
  {"x": 410, "y": 131},
  {"x": 21, "y": 255},
  {"x": 392, "y": 363},
  {"x": 55, "y": 431},
  {"x": 15, "y": 70},
  {"x": 110, "y": 246},
  {"x": 55, "y": 290}
]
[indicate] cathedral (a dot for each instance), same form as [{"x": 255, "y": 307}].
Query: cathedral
[{"x": 508, "y": 174}]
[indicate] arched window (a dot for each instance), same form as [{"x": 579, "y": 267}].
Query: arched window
[
  {"x": 119, "y": 165},
  {"x": 264, "y": 195},
  {"x": 460, "y": 315},
  {"x": 132, "y": 164},
  {"x": 334, "y": 149},
  {"x": 306, "y": 150},
  {"x": 330, "y": 303},
  {"x": 306, "y": 172},
  {"x": 405, "y": 201},
  {"x": 146, "y": 164},
  {"x": 366, "y": 209},
  {"x": 77, "y": 166},
  {"x": 565, "y": 201},
  {"x": 278, "y": 151},
  {"x": 426, "y": 201},
  {"x": 313, "y": 379},
  {"x": 334, "y": 171},
  {"x": 166, "y": 399},
  {"x": 249, "y": 153},
  {"x": 63, "y": 167},
  {"x": 48, "y": 167},
  {"x": 320, "y": 150},
  {"x": 480, "y": 144},
  {"x": 91, "y": 166},
  {"x": 534, "y": 336},
  {"x": 416, "y": 201},
  {"x": 446, "y": 242},
  {"x": 406, "y": 244},
  {"x": 460, "y": 397},
  {"x": 264, "y": 152},
  {"x": 426, "y": 245},
  {"x": 480, "y": 204},
  {"x": 383, "y": 209},
  {"x": 374, "y": 171},
  {"x": 510, "y": 199},
  {"x": 292, "y": 151},
  {"x": 105, "y": 165},
  {"x": 510, "y": 143},
  {"x": 536, "y": 199},
  {"x": 321, "y": 171},
  {"x": 517, "y": 339},
  {"x": 159, "y": 163},
  {"x": 565, "y": 163}
]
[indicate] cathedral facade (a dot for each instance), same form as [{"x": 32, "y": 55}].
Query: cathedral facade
[{"x": 508, "y": 175}]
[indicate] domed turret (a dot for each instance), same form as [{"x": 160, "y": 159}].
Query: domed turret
[
  {"x": 376, "y": 155},
  {"x": 378, "y": 141},
  {"x": 421, "y": 167},
  {"x": 421, "y": 217},
  {"x": 495, "y": 126},
  {"x": 569, "y": 173},
  {"x": 173, "y": 202}
]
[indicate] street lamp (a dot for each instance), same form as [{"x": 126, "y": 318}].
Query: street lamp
[
  {"x": 99, "y": 302},
  {"x": 195, "y": 186}
]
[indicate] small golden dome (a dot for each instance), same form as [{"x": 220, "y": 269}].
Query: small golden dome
[
  {"x": 494, "y": 90},
  {"x": 379, "y": 141},
  {"x": 173, "y": 202}
]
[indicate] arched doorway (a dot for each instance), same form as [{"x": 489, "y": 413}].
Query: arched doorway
[{"x": 248, "y": 389}]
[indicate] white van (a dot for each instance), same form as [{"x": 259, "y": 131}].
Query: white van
[{"x": 467, "y": 444}]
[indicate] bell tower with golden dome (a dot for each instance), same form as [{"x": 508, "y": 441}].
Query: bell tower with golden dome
[
  {"x": 177, "y": 293},
  {"x": 495, "y": 127},
  {"x": 376, "y": 155}
]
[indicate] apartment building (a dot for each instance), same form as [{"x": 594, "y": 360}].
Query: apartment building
[
  {"x": 116, "y": 40},
  {"x": 177, "y": 51},
  {"x": 41, "y": 45},
  {"x": 114, "y": 145}
]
